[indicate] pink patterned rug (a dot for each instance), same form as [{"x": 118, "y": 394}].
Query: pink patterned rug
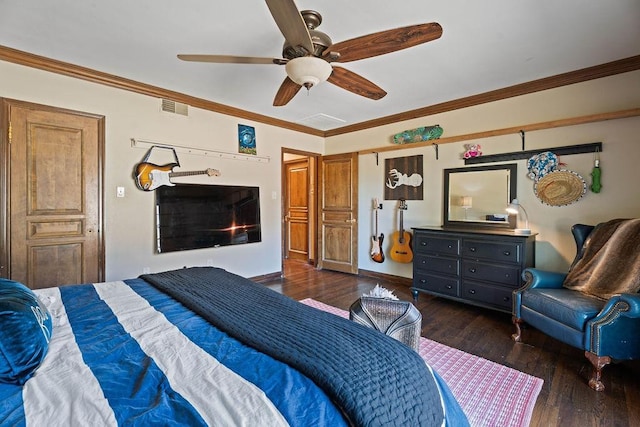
[{"x": 491, "y": 395}]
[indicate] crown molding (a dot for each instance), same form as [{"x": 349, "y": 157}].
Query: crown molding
[
  {"x": 599, "y": 71},
  {"x": 572, "y": 77},
  {"x": 94, "y": 76}
]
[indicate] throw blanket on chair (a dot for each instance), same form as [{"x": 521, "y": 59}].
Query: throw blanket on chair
[
  {"x": 610, "y": 263},
  {"x": 373, "y": 378}
]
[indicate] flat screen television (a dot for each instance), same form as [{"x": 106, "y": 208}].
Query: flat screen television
[{"x": 190, "y": 216}]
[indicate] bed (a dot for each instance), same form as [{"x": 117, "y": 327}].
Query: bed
[{"x": 202, "y": 346}]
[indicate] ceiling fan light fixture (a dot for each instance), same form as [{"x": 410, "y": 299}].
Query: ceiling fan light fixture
[{"x": 308, "y": 71}]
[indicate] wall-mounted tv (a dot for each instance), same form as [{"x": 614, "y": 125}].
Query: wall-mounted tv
[{"x": 190, "y": 216}]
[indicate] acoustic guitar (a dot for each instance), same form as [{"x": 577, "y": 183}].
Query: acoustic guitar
[
  {"x": 401, "y": 246},
  {"x": 148, "y": 176},
  {"x": 376, "y": 241}
]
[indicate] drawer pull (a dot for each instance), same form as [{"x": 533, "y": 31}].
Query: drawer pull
[
  {"x": 423, "y": 243},
  {"x": 506, "y": 253},
  {"x": 472, "y": 291},
  {"x": 449, "y": 287},
  {"x": 472, "y": 270},
  {"x": 423, "y": 281},
  {"x": 505, "y": 299},
  {"x": 450, "y": 246},
  {"x": 472, "y": 249},
  {"x": 424, "y": 261}
]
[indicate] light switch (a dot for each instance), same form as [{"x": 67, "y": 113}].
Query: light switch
[{"x": 119, "y": 191}]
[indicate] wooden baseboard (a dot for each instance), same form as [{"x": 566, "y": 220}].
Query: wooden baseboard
[
  {"x": 266, "y": 278},
  {"x": 405, "y": 281}
]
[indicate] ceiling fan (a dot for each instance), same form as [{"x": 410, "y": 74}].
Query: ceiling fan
[{"x": 308, "y": 54}]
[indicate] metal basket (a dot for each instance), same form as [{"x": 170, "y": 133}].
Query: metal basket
[{"x": 398, "y": 319}]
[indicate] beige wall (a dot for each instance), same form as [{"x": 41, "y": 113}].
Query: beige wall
[
  {"x": 620, "y": 163},
  {"x": 129, "y": 225},
  {"x": 129, "y": 221}
]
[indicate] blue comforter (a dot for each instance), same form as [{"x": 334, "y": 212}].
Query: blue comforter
[
  {"x": 126, "y": 354},
  {"x": 374, "y": 379}
]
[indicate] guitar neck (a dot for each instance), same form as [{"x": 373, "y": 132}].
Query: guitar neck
[
  {"x": 376, "y": 233},
  {"x": 187, "y": 173}
]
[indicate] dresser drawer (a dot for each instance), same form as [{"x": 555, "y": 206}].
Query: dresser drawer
[
  {"x": 440, "y": 245},
  {"x": 494, "y": 251},
  {"x": 493, "y": 295},
  {"x": 437, "y": 264},
  {"x": 502, "y": 274},
  {"x": 438, "y": 284}
]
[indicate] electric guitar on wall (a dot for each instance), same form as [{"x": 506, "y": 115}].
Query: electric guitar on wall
[
  {"x": 376, "y": 241},
  {"x": 148, "y": 176},
  {"x": 401, "y": 247}
]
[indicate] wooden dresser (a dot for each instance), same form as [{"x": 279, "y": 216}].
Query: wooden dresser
[{"x": 480, "y": 267}]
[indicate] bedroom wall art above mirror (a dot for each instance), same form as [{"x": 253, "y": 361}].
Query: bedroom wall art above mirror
[{"x": 478, "y": 196}]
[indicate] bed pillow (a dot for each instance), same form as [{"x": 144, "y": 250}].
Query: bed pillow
[{"x": 25, "y": 330}]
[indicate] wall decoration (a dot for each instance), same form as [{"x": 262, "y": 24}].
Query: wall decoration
[
  {"x": 596, "y": 173},
  {"x": 418, "y": 135},
  {"x": 560, "y": 187},
  {"x": 541, "y": 164},
  {"x": 149, "y": 176},
  {"x": 473, "y": 150},
  {"x": 247, "y": 140},
  {"x": 404, "y": 178}
]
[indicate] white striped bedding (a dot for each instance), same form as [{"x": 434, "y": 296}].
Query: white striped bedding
[{"x": 123, "y": 353}]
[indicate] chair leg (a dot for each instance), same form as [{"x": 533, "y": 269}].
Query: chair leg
[
  {"x": 598, "y": 363},
  {"x": 517, "y": 337}
]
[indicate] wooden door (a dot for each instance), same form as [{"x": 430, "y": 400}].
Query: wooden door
[
  {"x": 297, "y": 210},
  {"x": 338, "y": 213},
  {"x": 54, "y": 184}
]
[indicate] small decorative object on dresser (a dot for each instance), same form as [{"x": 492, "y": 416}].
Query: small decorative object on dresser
[{"x": 479, "y": 267}]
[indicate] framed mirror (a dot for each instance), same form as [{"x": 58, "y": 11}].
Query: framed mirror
[{"x": 478, "y": 196}]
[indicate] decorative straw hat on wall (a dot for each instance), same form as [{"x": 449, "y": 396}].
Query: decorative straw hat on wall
[{"x": 560, "y": 187}]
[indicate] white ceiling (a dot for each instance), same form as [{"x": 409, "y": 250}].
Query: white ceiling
[{"x": 486, "y": 45}]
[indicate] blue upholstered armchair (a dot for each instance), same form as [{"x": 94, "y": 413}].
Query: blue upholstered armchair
[{"x": 605, "y": 329}]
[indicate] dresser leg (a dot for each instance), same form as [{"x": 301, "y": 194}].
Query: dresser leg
[{"x": 415, "y": 295}]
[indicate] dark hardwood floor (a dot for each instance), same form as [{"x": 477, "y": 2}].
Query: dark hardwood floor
[{"x": 565, "y": 400}]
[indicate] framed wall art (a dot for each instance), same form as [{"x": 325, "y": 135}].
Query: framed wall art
[
  {"x": 403, "y": 178},
  {"x": 247, "y": 140}
]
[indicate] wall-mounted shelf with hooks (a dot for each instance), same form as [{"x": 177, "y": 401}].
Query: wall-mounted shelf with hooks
[
  {"x": 138, "y": 143},
  {"x": 525, "y": 154}
]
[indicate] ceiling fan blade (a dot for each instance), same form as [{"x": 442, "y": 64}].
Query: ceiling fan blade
[
  {"x": 288, "y": 89},
  {"x": 290, "y": 22},
  {"x": 385, "y": 42},
  {"x": 355, "y": 83},
  {"x": 230, "y": 59}
]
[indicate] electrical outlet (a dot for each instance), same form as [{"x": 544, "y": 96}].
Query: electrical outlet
[{"x": 119, "y": 191}]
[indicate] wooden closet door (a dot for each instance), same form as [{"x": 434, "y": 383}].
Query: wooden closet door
[
  {"x": 55, "y": 202},
  {"x": 338, "y": 213},
  {"x": 297, "y": 210}
]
